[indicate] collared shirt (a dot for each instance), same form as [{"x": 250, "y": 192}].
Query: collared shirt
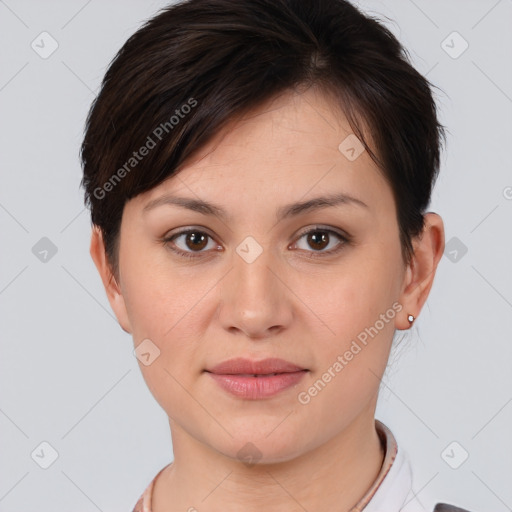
[{"x": 390, "y": 492}]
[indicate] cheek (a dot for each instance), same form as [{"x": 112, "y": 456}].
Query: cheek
[
  {"x": 352, "y": 345},
  {"x": 354, "y": 298},
  {"x": 167, "y": 306},
  {"x": 161, "y": 298},
  {"x": 168, "y": 311},
  {"x": 355, "y": 312}
]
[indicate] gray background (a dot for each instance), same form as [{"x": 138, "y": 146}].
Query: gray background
[{"x": 68, "y": 376}]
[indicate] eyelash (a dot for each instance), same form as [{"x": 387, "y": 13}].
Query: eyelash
[{"x": 345, "y": 239}]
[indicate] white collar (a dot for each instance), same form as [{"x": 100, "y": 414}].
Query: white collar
[{"x": 394, "y": 493}]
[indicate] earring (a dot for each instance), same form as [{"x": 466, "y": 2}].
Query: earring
[{"x": 410, "y": 318}]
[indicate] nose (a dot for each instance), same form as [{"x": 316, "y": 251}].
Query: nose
[{"x": 254, "y": 299}]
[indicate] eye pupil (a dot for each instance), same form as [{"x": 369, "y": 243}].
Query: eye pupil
[
  {"x": 314, "y": 239},
  {"x": 199, "y": 240}
]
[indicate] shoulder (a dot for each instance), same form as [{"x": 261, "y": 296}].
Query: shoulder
[
  {"x": 396, "y": 491},
  {"x": 444, "y": 507}
]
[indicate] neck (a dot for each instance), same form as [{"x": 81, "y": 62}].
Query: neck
[{"x": 332, "y": 476}]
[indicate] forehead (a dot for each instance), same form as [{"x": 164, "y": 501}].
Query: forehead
[
  {"x": 291, "y": 125},
  {"x": 293, "y": 146}
]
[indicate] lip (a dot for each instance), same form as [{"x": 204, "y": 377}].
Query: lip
[
  {"x": 241, "y": 365},
  {"x": 237, "y": 376}
]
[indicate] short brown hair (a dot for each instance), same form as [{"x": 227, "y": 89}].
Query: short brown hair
[{"x": 199, "y": 64}]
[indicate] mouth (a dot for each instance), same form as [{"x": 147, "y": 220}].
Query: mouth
[{"x": 249, "y": 379}]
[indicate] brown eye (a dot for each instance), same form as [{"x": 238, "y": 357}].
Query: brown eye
[
  {"x": 196, "y": 240},
  {"x": 321, "y": 242},
  {"x": 190, "y": 243},
  {"x": 318, "y": 239}
]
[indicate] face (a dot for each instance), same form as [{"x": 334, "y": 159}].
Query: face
[{"x": 266, "y": 272}]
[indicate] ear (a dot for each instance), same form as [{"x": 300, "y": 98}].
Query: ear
[
  {"x": 112, "y": 288},
  {"x": 428, "y": 250}
]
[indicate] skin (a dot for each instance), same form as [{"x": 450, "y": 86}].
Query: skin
[{"x": 321, "y": 455}]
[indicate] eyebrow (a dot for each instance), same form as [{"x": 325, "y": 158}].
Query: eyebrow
[{"x": 284, "y": 212}]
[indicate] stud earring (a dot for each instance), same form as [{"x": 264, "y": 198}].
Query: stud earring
[{"x": 410, "y": 318}]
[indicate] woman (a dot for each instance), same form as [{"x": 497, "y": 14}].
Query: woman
[{"x": 258, "y": 173}]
